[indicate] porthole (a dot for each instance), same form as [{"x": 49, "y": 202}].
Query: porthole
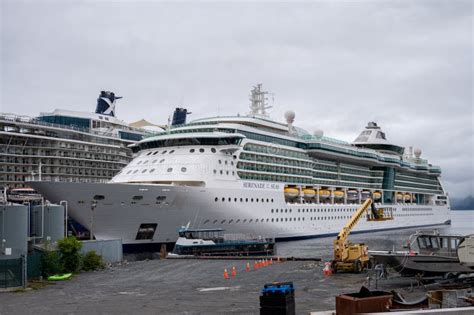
[
  {"x": 246, "y": 199},
  {"x": 223, "y": 199},
  {"x": 137, "y": 197},
  {"x": 139, "y": 162},
  {"x": 213, "y": 150},
  {"x": 149, "y": 153},
  {"x": 191, "y": 151},
  {"x": 162, "y": 160},
  {"x": 241, "y": 199},
  {"x": 201, "y": 150},
  {"x": 276, "y": 210},
  {"x": 169, "y": 170},
  {"x": 145, "y": 162},
  {"x": 129, "y": 171},
  {"x": 221, "y": 172},
  {"x": 164, "y": 152},
  {"x": 271, "y": 211},
  {"x": 231, "y": 162},
  {"x": 227, "y": 172},
  {"x": 154, "y": 161},
  {"x": 172, "y": 151},
  {"x": 251, "y": 199},
  {"x": 135, "y": 171},
  {"x": 152, "y": 170},
  {"x": 99, "y": 197},
  {"x": 256, "y": 200},
  {"x": 272, "y": 219},
  {"x": 144, "y": 170},
  {"x": 235, "y": 199},
  {"x": 225, "y": 162},
  {"x": 220, "y": 161},
  {"x": 183, "y": 169},
  {"x": 272, "y": 199},
  {"x": 215, "y": 171},
  {"x": 267, "y": 199},
  {"x": 155, "y": 153},
  {"x": 230, "y": 199}
]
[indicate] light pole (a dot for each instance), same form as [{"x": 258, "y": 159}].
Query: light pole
[
  {"x": 65, "y": 214},
  {"x": 93, "y": 205}
]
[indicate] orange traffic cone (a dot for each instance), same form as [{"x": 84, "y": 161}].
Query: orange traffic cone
[
  {"x": 327, "y": 269},
  {"x": 226, "y": 274},
  {"x": 247, "y": 267},
  {"x": 234, "y": 272}
]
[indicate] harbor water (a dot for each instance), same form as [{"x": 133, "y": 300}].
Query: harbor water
[{"x": 462, "y": 223}]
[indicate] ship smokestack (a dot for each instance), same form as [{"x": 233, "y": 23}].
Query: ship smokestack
[
  {"x": 179, "y": 116},
  {"x": 106, "y": 103}
]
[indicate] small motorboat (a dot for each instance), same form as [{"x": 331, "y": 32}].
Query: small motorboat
[
  {"x": 430, "y": 254},
  {"x": 213, "y": 242}
]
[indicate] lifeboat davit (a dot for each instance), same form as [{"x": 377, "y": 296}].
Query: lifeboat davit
[
  {"x": 309, "y": 193},
  {"x": 352, "y": 194},
  {"x": 338, "y": 194},
  {"x": 364, "y": 194},
  {"x": 399, "y": 197},
  {"x": 291, "y": 192},
  {"x": 377, "y": 195},
  {"x": 407, "y": 197},
  {"x": 324, "y": 193}
]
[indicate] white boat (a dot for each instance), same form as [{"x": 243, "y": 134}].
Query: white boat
[{"x": 248, "y": 174}]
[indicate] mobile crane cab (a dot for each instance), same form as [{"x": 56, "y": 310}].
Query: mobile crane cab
[{"x": 350, "y": 257}]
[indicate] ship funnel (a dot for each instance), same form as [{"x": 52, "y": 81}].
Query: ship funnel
[
  {"x": 106, "y": 103},
  {"x": 179, "y": 116}
]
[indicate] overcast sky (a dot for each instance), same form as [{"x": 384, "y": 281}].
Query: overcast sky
[{"x": 406, "y": 64}]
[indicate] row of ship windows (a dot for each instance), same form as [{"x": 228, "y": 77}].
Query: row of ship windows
[
  {"x": 222, "y": 172},
  {"x": 244, "y": 199},
  {"x": 312, "y": 210},
  {"x": 201, "y": 150},
  {"x": 295, "y": 219},
  {"x": 169, "y": 170}
]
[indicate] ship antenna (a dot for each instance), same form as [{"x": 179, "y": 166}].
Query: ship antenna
[{"x": 258, "y": 101}]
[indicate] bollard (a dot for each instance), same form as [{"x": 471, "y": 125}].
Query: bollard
[
  {"x": 226, "y": 274},
  {"x": 234, "y": 272}
]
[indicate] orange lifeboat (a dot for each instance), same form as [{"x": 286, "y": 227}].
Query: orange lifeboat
[
  {"x": 291, "y": 192},
  {"x": 324, "y": 193},
  {"x": 338, "y": 194},
  {"x": 377, "y": 195},
  {"x": 309, "y": 193}
]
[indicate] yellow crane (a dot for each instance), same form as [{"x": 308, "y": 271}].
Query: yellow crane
[{"x": 355, "y": 257}]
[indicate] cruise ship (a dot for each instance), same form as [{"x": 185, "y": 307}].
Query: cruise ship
[
  {"x": 66, "y": 146},
  {"x": 253, "y": 175}
]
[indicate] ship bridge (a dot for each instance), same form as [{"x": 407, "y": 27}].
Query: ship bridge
[{"x": 374, "y": 138}]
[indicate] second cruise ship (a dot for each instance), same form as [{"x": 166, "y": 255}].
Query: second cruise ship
[{"x": 250, "y": 174}]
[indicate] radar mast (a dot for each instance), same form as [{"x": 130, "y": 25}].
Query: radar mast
[{"x": 258, "y": 101}]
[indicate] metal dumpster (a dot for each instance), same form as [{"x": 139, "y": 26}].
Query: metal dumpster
[{"x": 365, "y": 301}]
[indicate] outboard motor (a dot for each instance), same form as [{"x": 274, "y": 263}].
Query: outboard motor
[
  {"x": 179, "y": 116},
  {"x": 106, "y": 103}
]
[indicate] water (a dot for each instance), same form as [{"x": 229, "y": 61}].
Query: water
[{"x": 462, "y": 223}]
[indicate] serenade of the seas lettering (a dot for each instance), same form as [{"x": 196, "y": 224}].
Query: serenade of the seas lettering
[{"x": 261, "y": 185}]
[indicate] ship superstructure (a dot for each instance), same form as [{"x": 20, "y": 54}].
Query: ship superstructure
[
  {"x": 65, "y": 146},
  {"x": 250, "y": 174}
]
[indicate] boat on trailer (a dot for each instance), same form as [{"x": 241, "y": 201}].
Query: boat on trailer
[{"x": 213, "y": 242}]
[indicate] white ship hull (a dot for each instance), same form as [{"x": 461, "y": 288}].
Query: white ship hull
[{"x": 119, "y": 215}]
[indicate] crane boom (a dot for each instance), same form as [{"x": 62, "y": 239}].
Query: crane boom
[{"x": 341, "y": 238}]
